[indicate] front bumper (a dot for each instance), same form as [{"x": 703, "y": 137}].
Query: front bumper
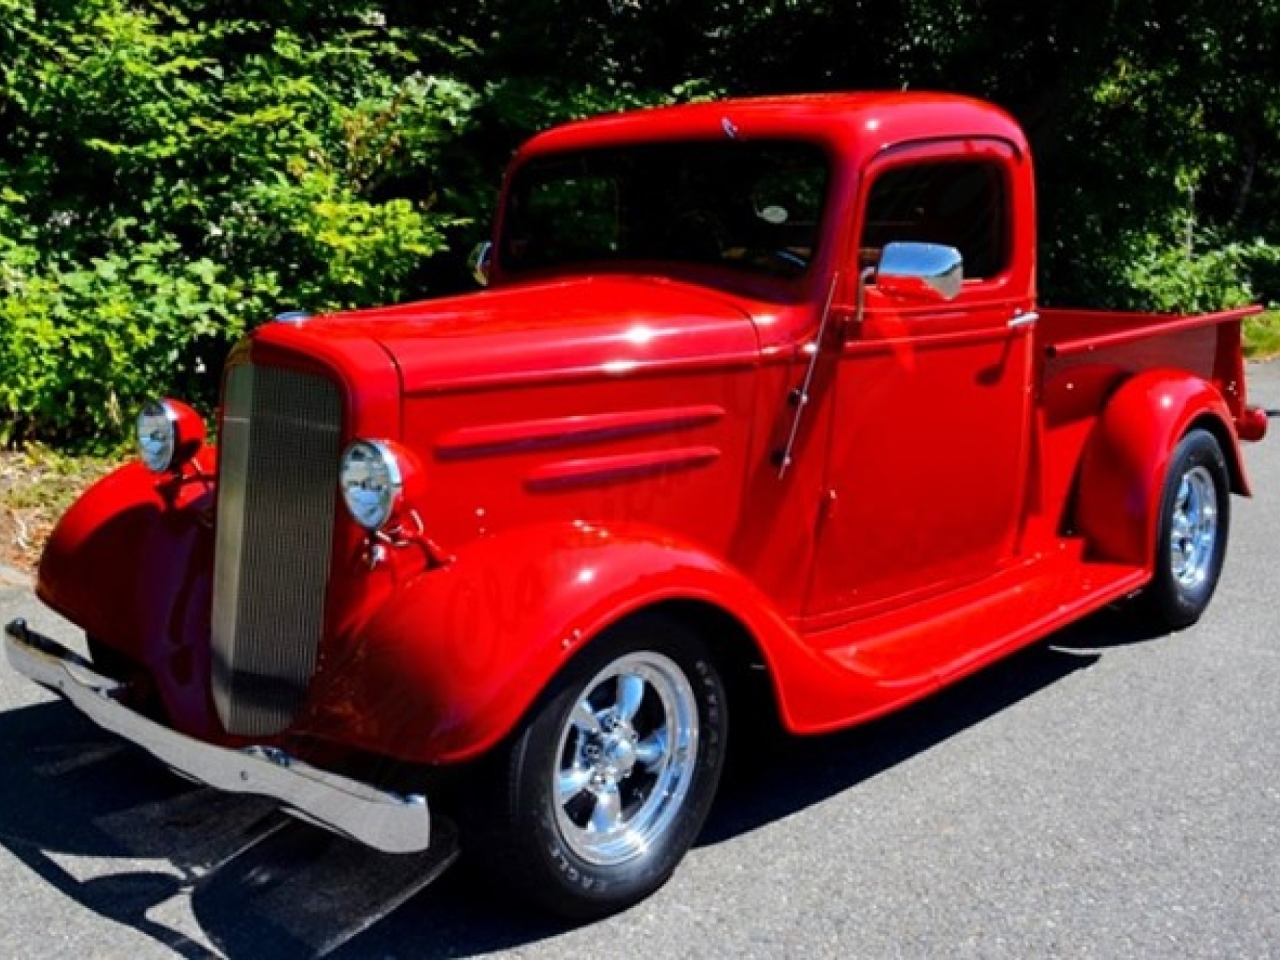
[{"x": 385, "y": 821}]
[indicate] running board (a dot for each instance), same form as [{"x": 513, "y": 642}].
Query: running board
[{"x": 938, "y": 640}]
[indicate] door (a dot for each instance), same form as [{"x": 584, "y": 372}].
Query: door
[{"x": 926, "y": 471}]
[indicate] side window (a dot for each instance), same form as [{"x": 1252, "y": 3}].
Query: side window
[{"x": 960, "y": 203}]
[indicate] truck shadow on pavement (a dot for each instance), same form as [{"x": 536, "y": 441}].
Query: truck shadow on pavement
[
  {"x": 112, "y": 830},
  {"x": 787, "y": 774}
]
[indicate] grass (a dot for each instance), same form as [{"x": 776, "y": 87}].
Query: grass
[{"x": 1262, "y": 336}]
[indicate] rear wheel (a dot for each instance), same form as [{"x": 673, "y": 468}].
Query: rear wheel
[
  {"x": 1195, "y": 514},
  {"x": 607, "y": 785}
]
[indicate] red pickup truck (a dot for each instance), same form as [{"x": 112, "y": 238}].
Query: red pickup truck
[{"x": 758, "y": 415}]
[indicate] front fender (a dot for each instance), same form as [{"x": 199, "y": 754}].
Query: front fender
[
  {"x": 448, "y": 663},
  {"x": 1124, "y": 463},
  {"x": 130, "y": 562}
]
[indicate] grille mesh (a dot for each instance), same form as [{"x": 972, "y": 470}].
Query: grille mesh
[{"x": 276, "y": 492}]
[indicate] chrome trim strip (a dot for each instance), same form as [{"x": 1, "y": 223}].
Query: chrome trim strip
[
  {"x": 380, "y": 819},
  {"x": 233, "y": 481}
]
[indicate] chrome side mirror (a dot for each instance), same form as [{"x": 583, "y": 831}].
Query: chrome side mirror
[
  {"x": 482, "y": 262},
  {"x": 926, "y": 272}
]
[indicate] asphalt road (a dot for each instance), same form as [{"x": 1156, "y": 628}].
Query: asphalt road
[{"x": 1104, "y": 794}]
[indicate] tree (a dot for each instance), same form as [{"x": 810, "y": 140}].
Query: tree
[{"x": 177, "y": 170}]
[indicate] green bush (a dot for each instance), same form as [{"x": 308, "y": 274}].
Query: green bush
[
  {"x": 1206, "y": 275},
  {"x": 83, "y": 346},
  {"x": 174, "y": 171},
  {"x": 176, "y": 176}
]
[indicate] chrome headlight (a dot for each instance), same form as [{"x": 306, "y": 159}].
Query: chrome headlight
[
  {"x": 157, "y": 435},
  {"x": 170, "y": 434},
  {"x": 372, "y": 483}
]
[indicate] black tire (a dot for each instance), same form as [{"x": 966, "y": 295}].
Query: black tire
[
  {"x": 107, "y": 661},
  {"x": 602, "y": 791},
  {"x": 1195, "y": 520}
]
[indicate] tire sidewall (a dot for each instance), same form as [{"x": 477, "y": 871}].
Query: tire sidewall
[
  {"x": 1178, "y": 604},
  {"x": 560, "y": 878}
]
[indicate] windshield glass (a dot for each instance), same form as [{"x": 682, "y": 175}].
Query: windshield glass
[{"x": 754, "y": 206}]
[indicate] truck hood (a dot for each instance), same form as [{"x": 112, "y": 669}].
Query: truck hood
[{"x": 582, "y": 327}]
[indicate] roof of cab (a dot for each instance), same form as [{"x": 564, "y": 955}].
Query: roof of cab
[{"x": 844, "y": 121}]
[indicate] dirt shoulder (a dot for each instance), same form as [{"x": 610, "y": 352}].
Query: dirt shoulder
[{"x": 36, "y": 487}]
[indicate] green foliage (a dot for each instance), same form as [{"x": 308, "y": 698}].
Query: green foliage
[
  {"x": 1208, "y": 275},
  {"x": 176, "y": 176},
  {"x": 174, "y": 171},
  {"x": 76, "y": 349}
]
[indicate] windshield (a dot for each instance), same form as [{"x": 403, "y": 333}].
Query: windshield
[{"x": 754, "y": 206}]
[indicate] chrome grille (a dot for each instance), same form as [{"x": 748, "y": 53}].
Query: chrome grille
[{"x": 277, "y": 484}]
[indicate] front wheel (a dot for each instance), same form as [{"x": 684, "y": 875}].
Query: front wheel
[
  {"x": 607, "y": 785},
  {"x": 1195, "y": 514}
]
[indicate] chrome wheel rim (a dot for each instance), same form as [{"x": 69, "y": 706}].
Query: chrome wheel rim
[
  {"x": 1193, "y": 533},
  {"x": 626, "y": 759}
]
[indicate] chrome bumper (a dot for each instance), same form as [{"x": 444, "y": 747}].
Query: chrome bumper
[{"x": 382, "y": 820}]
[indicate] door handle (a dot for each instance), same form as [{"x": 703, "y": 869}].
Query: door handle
[{"x": 1023, "y": 320}]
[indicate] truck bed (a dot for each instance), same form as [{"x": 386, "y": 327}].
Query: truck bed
[
  {"x": 1068, "y": 333},
  {"x": 1088, "y": 352},
  {"x": 1086, "y": 355}
]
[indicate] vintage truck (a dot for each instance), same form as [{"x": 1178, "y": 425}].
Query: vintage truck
[{"x": 757, "y": 416}]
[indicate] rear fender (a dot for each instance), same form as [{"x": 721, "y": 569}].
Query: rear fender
[
  {"x": 1123, "y": 467},
  {"x": 447, "y": 665},
  {"x": 131, "y": 564}
]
